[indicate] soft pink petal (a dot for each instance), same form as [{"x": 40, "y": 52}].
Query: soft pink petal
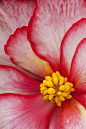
[
  {"x": 13, "y": 14},
  {"x": 78, "y": 68},
  {"x": 69, "y": 44},
  {"x": 14, "y": 81},
  {"x": 19, "y": 49},
  {"x": 55, "y": 122},
  {"x": 73, "y": 115},
  {"x": 48, "y": 25},
  {"x": 24, "y": 112}
]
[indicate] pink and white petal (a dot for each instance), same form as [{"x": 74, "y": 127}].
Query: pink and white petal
[
  {"x": 78, "y": 68},
  {"x": 69, "y": 44},
  {"x": 24, "y": 112},
  {"x": 14, "y": 81},
  {"x": 48, "y": 25},
  {"x": 55, "y": 122},
  {"x": 13, "y": 14},
  {"x": 19, "y": 49},
  {"x": 73, "y": 115},
  {"x": 7, "y": 61},
  {"x": 80, "y": 98}
]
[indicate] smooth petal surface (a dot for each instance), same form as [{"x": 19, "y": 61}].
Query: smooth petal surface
[
  {"x": 14, "y": 81},
  {"x": 48, "y": 25},
  {"x": 24, "y": 112},
  {"x": 69, "y": 44},
  {"x": 13, "y": 14},
  {"x": 55, "y": 122},
  {"x": 78, "y": 68},
  {"x": 19, "y": 49},
  {"x": 73, "y": 115}
]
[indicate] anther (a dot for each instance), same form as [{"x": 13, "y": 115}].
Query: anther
[{"x": 51, "y": 91}]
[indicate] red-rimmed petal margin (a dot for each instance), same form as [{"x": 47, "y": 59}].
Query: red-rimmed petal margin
[
  {"x": 69, "y": 44},
  {"x": 13, "y": 14},
  {"x": 24, "y": 112},
  {"x": 73, "y": 115},
  {"x": 48, "y": 25},
  {"x": 14, "y": 81},
  {"x": 78, "y": 68},
  {"x": 19, "y": 49}
]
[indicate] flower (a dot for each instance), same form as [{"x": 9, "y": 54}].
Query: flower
[{"x": 52, "y": 46}]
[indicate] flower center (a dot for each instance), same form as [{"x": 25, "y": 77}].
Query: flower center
[{"x": 56, "y": 88}]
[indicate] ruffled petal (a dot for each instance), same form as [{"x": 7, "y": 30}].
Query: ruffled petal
[
  {"x": 78, "y": 68},
  {"x": 24, "y": 112},
  {"x": 55, "y": 122},
  {"x": 13, "y": 14},
  {"x": 14, "y": 81},
  {"x": 73, "y": 115},
  {"x": 21, "y": 53},
  {"x": 69, "y": 44},
  {"x": 48, "y": 25}
]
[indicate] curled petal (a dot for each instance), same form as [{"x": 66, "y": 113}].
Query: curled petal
[
  {"x": 19, "y": 49},
  {"x": 78, "y": 68},
  {"x": 69, "y": 44},
  {"x": 13, "y": 14},
  {"x": 48, "y": 25}
]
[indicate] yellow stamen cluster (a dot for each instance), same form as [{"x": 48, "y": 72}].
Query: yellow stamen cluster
[{"x": 56, "y": 88}]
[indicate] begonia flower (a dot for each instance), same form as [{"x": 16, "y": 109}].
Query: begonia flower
[{"x": 50, "y": 90}]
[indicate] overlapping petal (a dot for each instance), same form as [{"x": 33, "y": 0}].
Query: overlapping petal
[
  {"x": 80, "y": 98},
  {"x": 21, "y": 53},
  {"x": 14, "y": 81},
  {"x": 50, "y": 22},
  {"x": 27, "y": 112},
  {"x": 69, "y": 44},
  {"x": 73, "y": 115},
  {"x": 13, "y": 14},
  {"x": 55, "y": 122},
  {"x": 78, "y": 68}
]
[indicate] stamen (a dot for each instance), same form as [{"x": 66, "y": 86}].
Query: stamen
[
  {"x": 51, "y": 91},
  {"x": 56, "y": 88}
]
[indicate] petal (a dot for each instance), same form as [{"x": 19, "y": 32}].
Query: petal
[
  {"x": 14, "y": 81},
  {"x": 21, "y": 53},
  {"x": 78, "y": 68},
  {"x": 80, "y": 98},
  {"x": 55, "y": 122},
  {"x": 69, "y": 44},
  {"x": 13, "y": 14},
  {"x": 24, "y": 112},
  {"x": 48, "y": 25},
  {"x": 73, "y": 115}
]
